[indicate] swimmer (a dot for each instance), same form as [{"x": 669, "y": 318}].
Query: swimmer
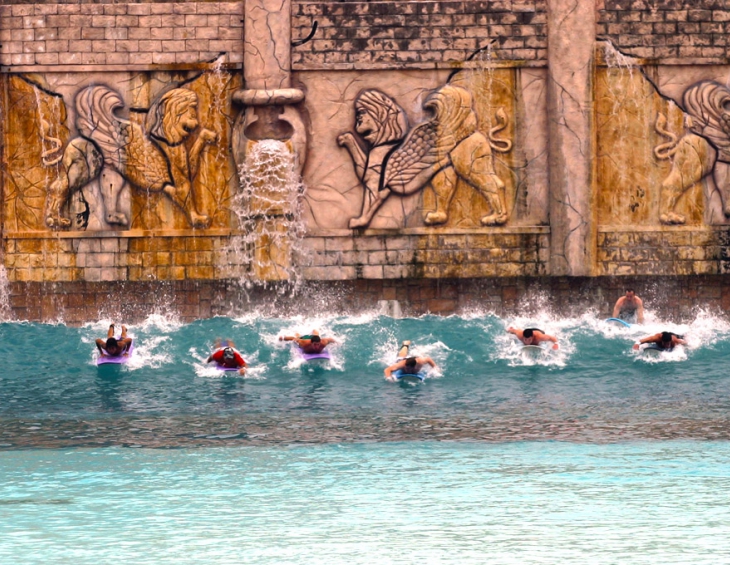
[
  {"x": 407, "y": 365},
  {"x": 533, "y": 336},
  {"x": 226, "y": 356},
  {"x": 629, "y": 308},
  {"x": 113, "y": 347},
  {"x": 311, "y": 344},
  {"x": 665, "y": 341}
]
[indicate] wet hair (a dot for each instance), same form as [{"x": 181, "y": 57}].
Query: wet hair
[
  {"x": 527, "y": 333},
  {"x": 228, "y": 353},
  {"x": 315, "y": 339},
  {"x": 111, "y": 343},
  {"x": 630, "y": 290},
  {"x": 411, "y": 362},
  {"x": 666, "y": 336}
]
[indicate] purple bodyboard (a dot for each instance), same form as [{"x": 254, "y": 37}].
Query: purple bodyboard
[
  {"x": 118, "y": 360},
  {"x": 312, "y": 356}
]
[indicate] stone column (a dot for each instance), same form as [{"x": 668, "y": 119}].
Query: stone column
[
  {"x": 270, "y": 115},
  {"x": 571, "y": 28}
]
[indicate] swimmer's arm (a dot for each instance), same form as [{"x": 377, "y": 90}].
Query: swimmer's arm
[
  {"x": 640, "y": 311},
  {"x": 651, "y": 339},
  {"x": 328, "y": 340},
  {"x": 514, "y": 331},
  {"x": 389, "y": 370},
  {"x": 617, "y": 307},
  {"x": 546, "y": 337},
  {"x": 427, "y": 361},
  {"x": 100, "y": 343},
  {"x": 681, "y": 341},
  {"x": 294, "y": 337}
]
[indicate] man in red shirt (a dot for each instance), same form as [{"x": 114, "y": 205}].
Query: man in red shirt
[{"x": 228, "y": 358}]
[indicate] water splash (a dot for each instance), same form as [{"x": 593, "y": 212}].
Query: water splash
[
  {"x": 6, "y": 312},
  {"x": 269, "y": 217}
]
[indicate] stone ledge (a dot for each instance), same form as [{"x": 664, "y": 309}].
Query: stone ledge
[
  {"x": 428, "y": 231},
  {"x": 210, "y": 232},
  {"x": 415, "y": 65},
  {"x": 203, "y": 66}
]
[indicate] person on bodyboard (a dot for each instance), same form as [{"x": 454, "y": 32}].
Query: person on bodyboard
[
  {"x": 533, "y": 336},
  {"x": 406, "y": 365},
  {"x": 666, "y": 341},
  {"x": 114, "y": 347},
  {"x": 227, "y": 357}
]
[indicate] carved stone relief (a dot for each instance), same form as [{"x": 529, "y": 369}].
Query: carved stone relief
[
  {"x": 441, "y": 151},
  {"x": 132, "y": 148},
  {"x": 458, "y": 166},
  {"x": 633, "y": 170}
]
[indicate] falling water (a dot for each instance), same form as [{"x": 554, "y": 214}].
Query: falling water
[
  {"x": 5, "y": 311},
  {"x": 269, "y": 216}
]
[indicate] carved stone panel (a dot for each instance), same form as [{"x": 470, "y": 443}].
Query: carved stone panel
[
  {"x": 120, "y": 151},
  {"x": 426, "y": 149},
  {"x": 641, "y": 169}
]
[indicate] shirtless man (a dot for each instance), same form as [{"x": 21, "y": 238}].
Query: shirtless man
[
  {"x": 113, "y": 347},
  {"x": 533, "y": 336},
  {"x": 311, "y": 343},
  {"x": 407, "y": 365},
  {"x": 665, "y": 340},
  {"x": 629, "y": 308}
]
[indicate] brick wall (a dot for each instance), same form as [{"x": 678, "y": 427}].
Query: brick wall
[
  {"x": 680, "y": 251},
  {"x": 79, "y": 302},
  {"x": 492, "y": 253},
  {"x": 375, "y": 33},
  {"x": 666, "y": 28},
  {"x": 120, "y": 34},
  {"x": 54, "y": 258}
]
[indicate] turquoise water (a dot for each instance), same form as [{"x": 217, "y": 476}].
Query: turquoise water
[
  {"x": 537, "y": 503},
  {"x": 49, "y": 370},
  {"x": 496, "y": 496}
]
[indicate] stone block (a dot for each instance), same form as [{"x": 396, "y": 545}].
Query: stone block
[
  {"x": 369, "y": 243},
  {"x": 199, "y": 272},
  {"x": 396, "y": 271},
  {"x": 92, "y": 274},
  {"x": 372, "y": 272},
  {"x": 163, "y": 58}
]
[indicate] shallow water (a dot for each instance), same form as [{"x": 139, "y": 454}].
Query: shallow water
[
  {"x": 537, "y": 503},
  {"x": 380, "y": 484}
]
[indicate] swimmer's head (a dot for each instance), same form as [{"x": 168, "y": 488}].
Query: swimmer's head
[
  {"x": 666, "y": 337},
  {"x": 315, "y": 339},
  {"x": 527, "y": 333},
  {"x": 411, "y": 362},
  {"x": 228, "y": 354},
  {"x": 112, "y": 345}
]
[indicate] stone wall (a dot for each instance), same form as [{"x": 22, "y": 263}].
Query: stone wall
[
  {"x": 682, "y": 251},
  {"x": 78, "y": 302},
  {"x": 120, "y": 34},
  {"x": 669, "y": 29},
  {"x": 439, "y": 142},
  {"x": 112, "y": 258},
  {"x": 506, "y": 253},
  {"x": 416, "y": 34}
]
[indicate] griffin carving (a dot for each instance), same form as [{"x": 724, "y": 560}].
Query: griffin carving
[
  {"x": 116, "y": 151},
  {"x": 702, "y": 150},
  {"x": 439, "y": 151}
]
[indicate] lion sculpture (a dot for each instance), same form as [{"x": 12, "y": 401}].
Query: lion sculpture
[
  {"x": 115, "y": 152},
  {"x": 443, "y": 150},
  {"x": 702, "y": 150}
]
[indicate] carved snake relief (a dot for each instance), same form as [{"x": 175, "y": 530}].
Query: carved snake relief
[{"x": 55, "y": 143}]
